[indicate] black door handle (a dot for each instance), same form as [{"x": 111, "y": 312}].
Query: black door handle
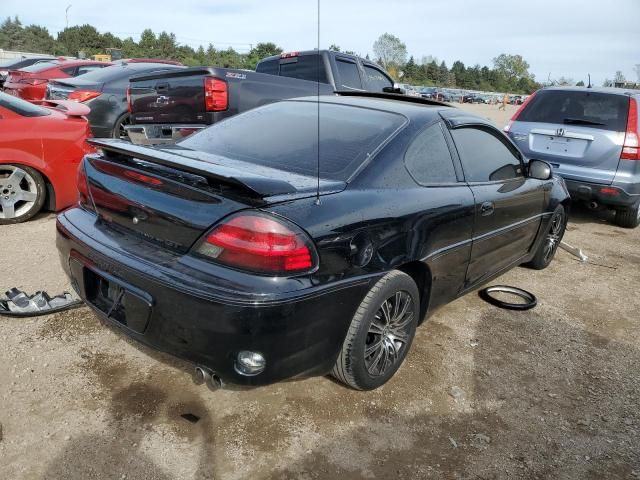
[{"x": 487, "y": 208}]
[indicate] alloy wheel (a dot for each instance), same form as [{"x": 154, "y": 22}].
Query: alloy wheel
[
  {"x": 18, "y": 191},
  {"x": 122, "y": 131},
  {"x": 389, "y": 333},
  {"x": 554, "y": 236}
]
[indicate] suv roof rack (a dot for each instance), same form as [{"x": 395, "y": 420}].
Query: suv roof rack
[{"x": 393, "y": 96}]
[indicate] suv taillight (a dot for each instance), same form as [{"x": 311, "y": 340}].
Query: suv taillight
[
  {"x": 216, "y": 94},
  {"x": 260, "y": 243},
  {"x": 507, "y": 127},
  {"x": 631, "y": 145}
]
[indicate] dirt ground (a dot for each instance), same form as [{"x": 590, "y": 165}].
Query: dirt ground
[{"x": 551, "y": 393}]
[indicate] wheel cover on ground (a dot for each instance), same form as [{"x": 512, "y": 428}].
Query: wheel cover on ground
[
  {"x": 389, "y": 334},
  {"x": 18, "y": 191}
]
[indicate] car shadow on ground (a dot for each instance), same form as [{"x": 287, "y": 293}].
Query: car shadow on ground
[
  {"x": 581, "y": 213},
  {"x": 544, "y": 399}
]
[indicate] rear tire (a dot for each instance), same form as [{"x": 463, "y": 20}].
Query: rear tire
[
  {"x": 549, "y": 246},
  {"x": 628, "y": 217},
  {"x": 22, "y": 193},
  {"x": 380, "y": 333},
  {"x": 119, "y": 131}
]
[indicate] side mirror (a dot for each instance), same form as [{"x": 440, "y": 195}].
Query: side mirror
[{"x": 540, "y": 170}]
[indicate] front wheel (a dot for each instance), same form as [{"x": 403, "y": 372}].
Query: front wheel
[
  {"x": 549, "y": 246},
  {"x": 22, "y": 193},
  {"x": 628, "y": 217},
  {"x": 380, "y": 333}
]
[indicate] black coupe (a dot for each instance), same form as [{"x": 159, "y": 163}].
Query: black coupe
[{"x": 260, "y": 254}]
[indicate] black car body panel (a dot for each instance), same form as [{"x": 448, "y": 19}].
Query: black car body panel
[{"x": 379, "y": 219}]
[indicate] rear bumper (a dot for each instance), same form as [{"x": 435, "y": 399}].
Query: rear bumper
[
  {"x": 155, "y": 134},
  {"x": 612, "y": 195},
  {"x": 299, "y": 333}
]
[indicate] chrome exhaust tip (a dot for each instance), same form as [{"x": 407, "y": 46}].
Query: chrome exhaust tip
[
  {"x": 214, "y": 382},
  {"x": 200, "y": 375},
  {"x": 593, "y": 205}
]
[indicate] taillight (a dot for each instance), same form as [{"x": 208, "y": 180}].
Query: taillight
[
  {"x": 260, "y": 243},
  {"x": 129, "y": 105},
  {"x": 83, "y": 95},
  {"x": 216, "y": 94},
  {"x": 33, "y": 81},
  {"x": 631, "y": 145},
  {"x": 507, "y": 127},
  {"x": 84, "y": 197}
]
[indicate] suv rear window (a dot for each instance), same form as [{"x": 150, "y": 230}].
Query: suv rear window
[
  {"x": 587, "y": 109},
  {"x": 22, "y": 107},
  {"x": 284, "y": 136}
]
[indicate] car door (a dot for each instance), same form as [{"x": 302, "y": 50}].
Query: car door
[{"x": 508, "y": 205}]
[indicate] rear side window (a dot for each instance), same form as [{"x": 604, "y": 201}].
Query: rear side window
[
  {"x": 586, "y": 109},
  {"x": 70, "y": 70},
  {"x": 484, "y": 157},
  {"x": 22, "y": 107},
  {"x": 305, "y": 67},
  {"x": 271, "y": 67},
  {"x": 428, "y": 158},
  {"x": 284, "y": 136},
  {"x": 349, "y": 76},
  {"x": 88, "y": 68},
  {"x": 376, "y": 80}
]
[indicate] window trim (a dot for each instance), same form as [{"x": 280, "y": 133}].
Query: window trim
[
  {"x": 458, "y": 180},
  {"x": 502, "y": 139}
]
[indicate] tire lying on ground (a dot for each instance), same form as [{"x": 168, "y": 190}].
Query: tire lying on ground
[
  {"x": 380, "y": 333},
  {"x": 22, "y": 193}
]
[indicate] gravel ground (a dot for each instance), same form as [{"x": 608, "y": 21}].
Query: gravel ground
[{"x": 484, "y": 394}]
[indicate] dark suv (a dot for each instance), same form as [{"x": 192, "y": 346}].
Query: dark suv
[{"x": 590, "y": 137}]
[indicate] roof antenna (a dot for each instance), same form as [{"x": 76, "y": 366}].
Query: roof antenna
[
  {"x": 589, "y": 84},
  {"x": 318, "y": 105}
]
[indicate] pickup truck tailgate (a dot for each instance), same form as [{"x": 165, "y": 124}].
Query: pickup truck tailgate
[{"x": 169, "y": 97}]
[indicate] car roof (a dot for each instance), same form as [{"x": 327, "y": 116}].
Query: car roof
[{"x": 611, "y": 90}]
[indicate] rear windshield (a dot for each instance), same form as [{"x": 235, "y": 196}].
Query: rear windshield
[
  {"x": 38, "y": 67},
  {"x": 22, "y": 107},
  {"x": 115, "y": 72},
  {"x": 284, "y": 135},
  {"x": 304, "y": 67},
  {"x": 586, "y": 109}
]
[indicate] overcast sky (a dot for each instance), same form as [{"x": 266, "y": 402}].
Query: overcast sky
[{"x": 568, "y": 38}]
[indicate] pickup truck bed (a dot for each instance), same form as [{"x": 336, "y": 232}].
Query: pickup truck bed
[{"x": 168, "y": 106}]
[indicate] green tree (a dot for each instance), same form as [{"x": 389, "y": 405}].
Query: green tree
[
  {"x": 512, "y": 68},
  {"x": 580, "y": 84},
  {"x": 79, "y": 38},
  {"x": 38, "y": 40},
  {"x": 11, "y": 34},
  {"x": 334, "y": 48},
  {"x": 390, "y": 50}
]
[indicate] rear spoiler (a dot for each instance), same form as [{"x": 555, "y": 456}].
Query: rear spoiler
[
  {"x": 257, "y": 185},
  {"x": 69, "y": 108}
]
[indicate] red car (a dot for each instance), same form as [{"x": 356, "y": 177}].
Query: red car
[
  {"x": 31, "y": 82},
  {"x": 41, "y": 146}
]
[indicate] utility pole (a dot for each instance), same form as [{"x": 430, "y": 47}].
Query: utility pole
[{"x": 66, "y": 15}]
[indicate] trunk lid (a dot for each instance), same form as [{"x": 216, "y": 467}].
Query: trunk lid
[
  {"x": 171, "y": 199},
  {"x": 580, "y": 133},
  {"x": 170, "y": 97}
]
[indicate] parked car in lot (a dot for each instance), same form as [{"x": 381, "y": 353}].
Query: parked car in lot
[
  {"x": 105, "y": 92},
  {"x": 227, "y": 250},
  {"x": 168, "y": 106},
  {"x": 40, "y": 149},
  {"x": 18, "y": 63},
  {"x": 30, "y": 83},
  {"x": 591, "y": 138}
]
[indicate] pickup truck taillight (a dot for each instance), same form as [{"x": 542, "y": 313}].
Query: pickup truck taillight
[
  {"x": 129, "y": 106},
  {"x": 631, "y": 145},
  {"x": 216, "y": 94}
]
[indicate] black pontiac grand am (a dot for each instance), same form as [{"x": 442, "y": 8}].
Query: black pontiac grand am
[{"x": 219, "y": 251}]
